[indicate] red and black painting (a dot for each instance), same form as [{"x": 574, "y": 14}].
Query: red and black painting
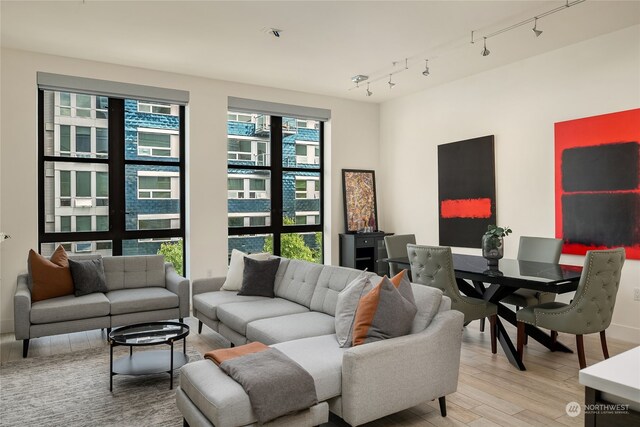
[
  {"x": 466, "y": 191},
  {"x": 597, "y": 161}
]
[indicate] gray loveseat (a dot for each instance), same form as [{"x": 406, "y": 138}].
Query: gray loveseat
[
  {"x": 359, "y": 384},
  {"x": 141, "y": 289}
]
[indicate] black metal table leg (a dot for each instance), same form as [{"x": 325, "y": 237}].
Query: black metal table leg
[
  {"x": 111, "y": 366},
  {"x": 171, "y": 369},
  {"x": 507, "y": 346}
]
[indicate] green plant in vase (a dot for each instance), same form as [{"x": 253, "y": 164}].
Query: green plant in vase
[{"x": 493, "y": 243}]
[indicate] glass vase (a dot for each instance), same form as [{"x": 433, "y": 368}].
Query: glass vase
[{"x": 492, "y": 249}]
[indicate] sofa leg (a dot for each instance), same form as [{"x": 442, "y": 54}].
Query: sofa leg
[
  {"x": 185, "y": 423},
  {"x": 482, "y": 325},
  {"x": 199, "y": 326},
  {"x": 181, "y": 319},
  {"x": 443, "y": 405},
  {"x": 25, "y": 347}
]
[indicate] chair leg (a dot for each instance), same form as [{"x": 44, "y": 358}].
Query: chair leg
[
  {"x": 603, "y": 341},
  {"x": 25, "y": 347},
  {"x": 554, "y": 339},
  {"x": 443, "y": 405},
  {"x": 526, "y": 339},
  {"x": 580, "y": 345},
  {"x": 185, "y": 423},
  {"x": 520, "y": 340},
  {"x": 482, "y": 325},
  {"x": 199, "y": 326},
  {"x": 492, "y": 325}
]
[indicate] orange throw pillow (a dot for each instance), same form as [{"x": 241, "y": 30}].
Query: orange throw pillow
[{"x": 50, "y": 278}]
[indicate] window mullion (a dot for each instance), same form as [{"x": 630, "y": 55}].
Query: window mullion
[
  {"x": 117, "y": 199},
  {"x": 276, "y": 182}
]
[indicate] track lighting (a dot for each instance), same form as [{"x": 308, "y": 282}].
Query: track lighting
[
  {"x": 369, "y": 93},
  {"x": 485, "y": 51},
  {"x": 426, "y": 68},
  {"x": 535, "y": 29},
  {"x": 391, "y": 84}
]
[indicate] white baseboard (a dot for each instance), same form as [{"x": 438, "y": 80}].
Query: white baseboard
[{"x": 624, "y": 333}]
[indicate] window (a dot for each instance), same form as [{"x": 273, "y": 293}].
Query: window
[
  {"x": 98, "y": 193},
  {"x": 239, "y": 117},
  {"x": 273, "y": 182},
  {"x": 83, "y": 184},
  {"x": 155, "y": 108},
  {"x": 154, "y": 144},
  {"x": 83, "y": 140}
]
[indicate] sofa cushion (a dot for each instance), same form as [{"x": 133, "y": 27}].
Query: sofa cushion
[
  {"x": 49, "y": 278},
  {"x": 346, "y": 307},
  {"x": 298, "y": 281},
  {"x": 428, "y": 300},
  {"x": 387, "y": 311},
  {"x": 236, "y": 269},
  {"x": 331, "y": 282},
  {"x": 207, "y": 303},
  {"x": 125, "y": 301},
  {"x": 134, "y": 271},
  {"x": 259, "y": 277},
  {"x": 88, "y": 276},
  {"x": 290, "y": 327},
  {"x": 69, "y": 307},
  {"x": 322, "y": 358},
  {"x": 237, "y": 315}
]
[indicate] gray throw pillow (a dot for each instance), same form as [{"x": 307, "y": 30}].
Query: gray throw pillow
[
  {"x": 88, "y": 276},
  {"x": 259, "y": 277}
]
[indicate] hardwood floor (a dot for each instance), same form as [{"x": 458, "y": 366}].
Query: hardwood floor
[{"x": 491, "y": 392}]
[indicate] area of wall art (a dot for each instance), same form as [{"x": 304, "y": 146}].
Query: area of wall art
[{"x": 597, "y": 183}]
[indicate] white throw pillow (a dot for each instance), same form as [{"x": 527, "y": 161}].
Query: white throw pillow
[
  {"x": 236, "y": 269},
  {"x": 346, "y": 307}
]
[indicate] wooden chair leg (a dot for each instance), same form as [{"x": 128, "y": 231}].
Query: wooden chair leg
[
  {"x": 443, "y": 405},
  {"x": 603, "y": 341},
  {"x": 482, "y": 325},
  {"x": 520, "y": 339},
  {"x": 492, "y": 325},
  {"x": 580, "y": 345}
]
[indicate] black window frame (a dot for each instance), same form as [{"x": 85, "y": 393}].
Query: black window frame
[
  {"x": 117, "y": 164},
  {"x": 277, "y": 170}
]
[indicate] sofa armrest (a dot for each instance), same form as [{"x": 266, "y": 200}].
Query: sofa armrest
[
  {"x": 22, "y": 308},
  {"x": 179, "y": 286},
  {"x": 388, "y": 376},
  {"x": 210, "y": 284}
]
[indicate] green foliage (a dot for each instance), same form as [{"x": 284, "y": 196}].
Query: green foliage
[
  {"x": 493, "y": 235},
  {"x": 172, "y": 252},
  {"x": 293, "y": 246}
]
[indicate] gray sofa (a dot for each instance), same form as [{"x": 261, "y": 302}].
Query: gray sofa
[
  {"x": 358, "y": 384},
  {"x": 141, "y": 289}
]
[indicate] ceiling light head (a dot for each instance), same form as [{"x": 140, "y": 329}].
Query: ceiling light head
[
  {"x": 369, "y": 93},
  {"x": 426, "y": 68},
  {"x": 535, "y": 29},
  {"x": 275, "y": 32},
  {"x": 359, "y": 78},
  {"x": 485, "y": 51},
  {"x": 391, "y": 84}
]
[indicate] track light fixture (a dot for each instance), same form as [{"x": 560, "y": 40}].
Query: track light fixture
[
  {"x": 535, "y": 29},
  {"x": 485, "y": 51},
  {"x": 426, "y": 68},
  {"x": 369, "y": 93},
  {"x": 391, "y": 84}
]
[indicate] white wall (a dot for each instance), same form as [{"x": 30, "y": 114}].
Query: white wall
[
  {"x": 519, "y": 104},
  {"x": 351, "y": 141}
]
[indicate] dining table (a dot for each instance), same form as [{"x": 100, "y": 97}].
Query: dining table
[{"x": 475, "y": 278}]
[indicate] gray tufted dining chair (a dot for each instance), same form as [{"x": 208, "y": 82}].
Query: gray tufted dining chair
[
  {"x": 433, "y": 266},
  {"x": 537, "y": 249},
  {"x": 591, "y": 309},
  {"x": 397, "y": 248}
]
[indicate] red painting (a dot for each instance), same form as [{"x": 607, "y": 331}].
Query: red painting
[{"x": 597, "y": 168}]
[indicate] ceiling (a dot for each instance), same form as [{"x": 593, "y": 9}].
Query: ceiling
[{"x": 322, "y": 44}]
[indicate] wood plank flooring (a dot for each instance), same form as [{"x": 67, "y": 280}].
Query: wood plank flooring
[{"x": 491, "y": 392}]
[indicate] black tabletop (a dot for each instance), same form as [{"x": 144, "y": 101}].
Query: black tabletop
[
  {"x": 542, "y": 276},
  {"x": 149, "y": 333}
]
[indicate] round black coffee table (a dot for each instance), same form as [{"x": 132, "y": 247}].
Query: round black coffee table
[{"x": 148, "y": 362}]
